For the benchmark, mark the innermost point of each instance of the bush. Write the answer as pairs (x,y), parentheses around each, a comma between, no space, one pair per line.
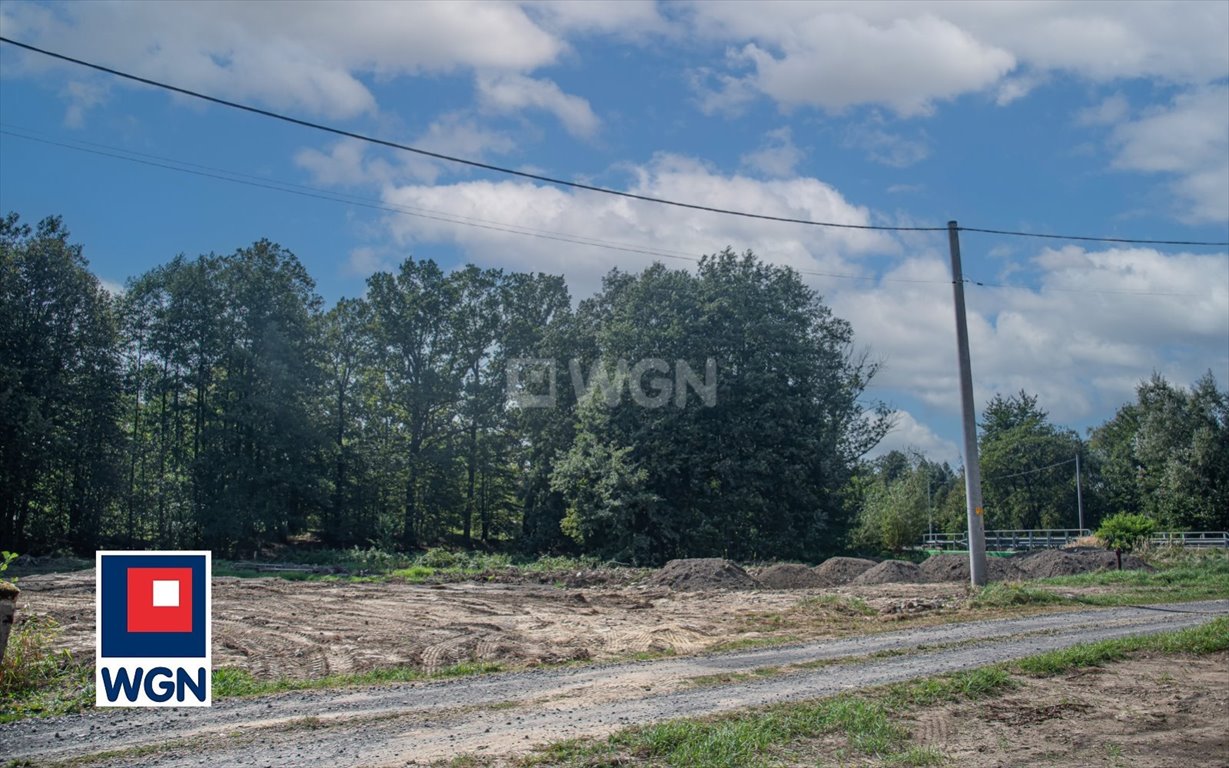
(1123,532)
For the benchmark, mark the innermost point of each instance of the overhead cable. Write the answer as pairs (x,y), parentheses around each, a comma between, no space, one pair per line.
(564,182)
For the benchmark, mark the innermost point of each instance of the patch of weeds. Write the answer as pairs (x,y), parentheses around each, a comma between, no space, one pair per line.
(230,681)
(1003,594)
(841,604)
(1211,637)
(1181,575)
(415,573)
(750,643)
(36,680)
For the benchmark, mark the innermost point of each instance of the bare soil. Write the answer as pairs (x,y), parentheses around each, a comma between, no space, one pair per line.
(891,572)
(837,571)
(275,628)
(501,716)
(1146,712)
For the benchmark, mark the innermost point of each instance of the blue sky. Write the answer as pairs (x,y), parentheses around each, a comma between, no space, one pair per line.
(1104,119)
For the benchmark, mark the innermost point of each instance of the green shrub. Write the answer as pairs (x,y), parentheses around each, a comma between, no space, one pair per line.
(1123,532)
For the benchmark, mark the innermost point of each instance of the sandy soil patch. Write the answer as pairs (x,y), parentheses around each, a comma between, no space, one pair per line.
(1149,712)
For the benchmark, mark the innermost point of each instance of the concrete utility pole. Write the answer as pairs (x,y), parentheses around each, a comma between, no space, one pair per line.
(1079,494)
(972,468)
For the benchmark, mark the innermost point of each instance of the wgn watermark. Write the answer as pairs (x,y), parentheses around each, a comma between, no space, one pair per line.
(531,382)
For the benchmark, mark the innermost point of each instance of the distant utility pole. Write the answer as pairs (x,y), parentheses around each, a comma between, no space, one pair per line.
(972,468)
(1079,493)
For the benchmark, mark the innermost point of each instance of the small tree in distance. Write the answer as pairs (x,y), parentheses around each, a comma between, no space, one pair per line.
(1123,532)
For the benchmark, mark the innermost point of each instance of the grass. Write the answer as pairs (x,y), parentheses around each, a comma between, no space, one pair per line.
(231,681)
(864,726)
(372,564)
(1180,576)
(38,680)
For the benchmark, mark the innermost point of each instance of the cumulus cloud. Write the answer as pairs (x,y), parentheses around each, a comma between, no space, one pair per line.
(1188,138)
(309,59)
(513,92)
(1094,325)
(909,434)
(835,61)
(665,231)
(908,56)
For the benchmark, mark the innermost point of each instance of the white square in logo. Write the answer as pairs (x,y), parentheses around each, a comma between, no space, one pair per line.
(166,594)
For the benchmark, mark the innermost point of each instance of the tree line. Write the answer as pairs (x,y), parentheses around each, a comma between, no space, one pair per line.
(217,403)
(1165,456)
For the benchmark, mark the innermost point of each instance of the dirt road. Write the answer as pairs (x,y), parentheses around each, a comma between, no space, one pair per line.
(509,713)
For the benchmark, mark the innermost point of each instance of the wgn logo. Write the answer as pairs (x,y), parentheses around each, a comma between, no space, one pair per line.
(154,629)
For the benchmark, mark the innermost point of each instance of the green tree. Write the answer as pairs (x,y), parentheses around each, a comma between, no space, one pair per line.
(903,497)
(1027,464)
(1167,454)
(1124,532)
(760,471)
(60,446)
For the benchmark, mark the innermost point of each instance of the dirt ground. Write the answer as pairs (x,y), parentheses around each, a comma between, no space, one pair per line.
(1159,712)
(275,628)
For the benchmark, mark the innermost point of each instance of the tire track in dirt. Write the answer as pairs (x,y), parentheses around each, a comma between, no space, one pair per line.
(507,714)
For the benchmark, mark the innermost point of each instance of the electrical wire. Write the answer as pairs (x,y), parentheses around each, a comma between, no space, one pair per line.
(1030,471)
(236,177)
(563,182)
(451,158)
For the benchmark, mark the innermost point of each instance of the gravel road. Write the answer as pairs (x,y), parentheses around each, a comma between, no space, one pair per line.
(508,713)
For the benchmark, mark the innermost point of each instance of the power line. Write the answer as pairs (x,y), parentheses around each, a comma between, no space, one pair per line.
(564,182)
(451,158)
(275,185)
(1030,471)
(1090,238)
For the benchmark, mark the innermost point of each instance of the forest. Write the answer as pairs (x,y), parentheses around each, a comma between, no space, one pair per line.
(217,403)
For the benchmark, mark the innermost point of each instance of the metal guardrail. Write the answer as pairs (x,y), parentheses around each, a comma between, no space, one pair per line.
(1045,538)
(1191,538)
(1053,538)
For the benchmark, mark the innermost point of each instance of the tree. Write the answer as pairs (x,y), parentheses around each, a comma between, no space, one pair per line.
(417,349)
(60,446)
(902,499)
(1124,532)
(1167,454)
(1028,477)
(759,469)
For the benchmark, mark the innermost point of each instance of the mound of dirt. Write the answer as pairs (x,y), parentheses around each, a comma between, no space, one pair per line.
(702,573)
(891,572)
(940,568)
(839,571)
(1048,563)
(789,576)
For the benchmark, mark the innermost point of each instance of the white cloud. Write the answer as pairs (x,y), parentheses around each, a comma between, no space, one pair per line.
(642,225)
(910,434)
(513,92)
(1081,340)
(306,59)
(907,56)
(1188,138)
(838,60)
(352,163)
(777,156)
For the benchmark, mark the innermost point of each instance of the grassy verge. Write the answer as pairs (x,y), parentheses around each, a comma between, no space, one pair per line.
(846,728)
(36,680)
(230,681)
